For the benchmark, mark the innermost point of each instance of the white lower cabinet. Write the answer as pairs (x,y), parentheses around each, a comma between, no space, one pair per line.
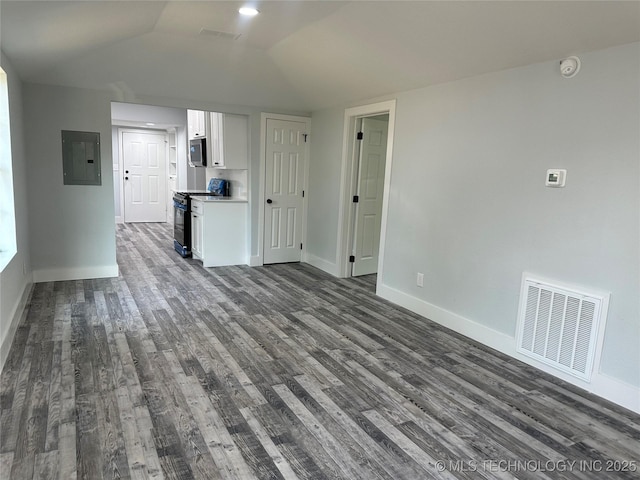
(219,232)
(197,210)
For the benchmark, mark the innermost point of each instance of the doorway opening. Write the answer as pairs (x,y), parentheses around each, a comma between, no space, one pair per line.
(370,160)
(154,139)
(366,175)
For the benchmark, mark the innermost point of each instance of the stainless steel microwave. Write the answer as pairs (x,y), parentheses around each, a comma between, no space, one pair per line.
(198,152)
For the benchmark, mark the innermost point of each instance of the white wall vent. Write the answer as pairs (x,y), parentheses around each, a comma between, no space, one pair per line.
(206,32)
(559,326)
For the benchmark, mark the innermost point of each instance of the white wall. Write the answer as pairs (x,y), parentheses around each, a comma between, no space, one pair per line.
(324,189)
(468,206)
(122,113)
(72,228)
(15,279)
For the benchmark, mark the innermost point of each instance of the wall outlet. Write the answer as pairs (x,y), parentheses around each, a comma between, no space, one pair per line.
(420,279)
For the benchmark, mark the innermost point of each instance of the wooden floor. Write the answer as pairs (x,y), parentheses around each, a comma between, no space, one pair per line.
(175,371)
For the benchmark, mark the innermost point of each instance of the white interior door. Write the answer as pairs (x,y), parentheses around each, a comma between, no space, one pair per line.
(371,167)
(284,180)
(145,176)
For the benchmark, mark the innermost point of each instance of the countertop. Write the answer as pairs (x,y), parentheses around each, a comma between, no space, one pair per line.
(214,198)
(211,198)
(191,191)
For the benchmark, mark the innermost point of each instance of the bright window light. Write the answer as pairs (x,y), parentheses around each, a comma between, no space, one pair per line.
(7,212)
(248,11)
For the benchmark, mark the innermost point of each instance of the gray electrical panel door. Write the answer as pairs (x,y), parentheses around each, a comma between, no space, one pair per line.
(81,158)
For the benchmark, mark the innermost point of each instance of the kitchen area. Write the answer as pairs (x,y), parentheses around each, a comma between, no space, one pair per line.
(204,190)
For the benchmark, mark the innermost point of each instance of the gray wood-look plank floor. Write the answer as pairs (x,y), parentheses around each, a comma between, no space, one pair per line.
(278,372)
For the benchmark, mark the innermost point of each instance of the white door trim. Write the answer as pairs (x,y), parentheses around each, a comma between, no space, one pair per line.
(258,260)
(120,170)
(345,212)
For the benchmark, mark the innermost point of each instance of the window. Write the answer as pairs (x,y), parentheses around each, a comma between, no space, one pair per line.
(7,211)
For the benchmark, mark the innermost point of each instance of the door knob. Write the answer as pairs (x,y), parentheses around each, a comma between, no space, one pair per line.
(269,200)
(126,178)
(126,171)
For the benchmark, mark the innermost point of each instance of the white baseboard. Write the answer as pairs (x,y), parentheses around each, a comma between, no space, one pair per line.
(601,384)
(119,219)
(19,310)
(81,273)
(325,266)
(321,263)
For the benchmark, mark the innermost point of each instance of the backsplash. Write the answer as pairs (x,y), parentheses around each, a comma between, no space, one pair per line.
(237,180)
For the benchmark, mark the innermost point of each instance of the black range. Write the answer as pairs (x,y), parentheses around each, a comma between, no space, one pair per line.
(182,220)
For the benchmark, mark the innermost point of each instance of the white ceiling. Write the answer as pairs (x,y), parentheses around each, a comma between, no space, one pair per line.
(300,55)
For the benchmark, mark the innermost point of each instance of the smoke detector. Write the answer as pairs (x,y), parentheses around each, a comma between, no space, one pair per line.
(569,67)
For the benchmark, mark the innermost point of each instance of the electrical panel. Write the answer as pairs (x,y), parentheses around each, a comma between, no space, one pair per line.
(81,158)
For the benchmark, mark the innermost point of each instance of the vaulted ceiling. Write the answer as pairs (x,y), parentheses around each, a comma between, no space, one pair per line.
(299,55)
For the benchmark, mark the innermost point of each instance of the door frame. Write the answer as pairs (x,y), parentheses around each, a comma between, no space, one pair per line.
(258,260)
(357,185)
(346,214)
(123,130)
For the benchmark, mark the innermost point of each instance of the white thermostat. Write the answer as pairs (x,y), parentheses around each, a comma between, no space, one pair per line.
(555,177)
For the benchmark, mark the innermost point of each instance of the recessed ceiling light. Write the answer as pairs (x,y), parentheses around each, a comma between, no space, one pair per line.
(150,124)
(248,11)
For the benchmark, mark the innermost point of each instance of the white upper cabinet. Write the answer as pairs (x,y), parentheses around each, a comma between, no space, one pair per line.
(236,141)
(196,123)
(228,140)
(216,139)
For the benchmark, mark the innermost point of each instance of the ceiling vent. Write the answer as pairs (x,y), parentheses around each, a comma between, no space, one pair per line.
(559,326)
(205,32)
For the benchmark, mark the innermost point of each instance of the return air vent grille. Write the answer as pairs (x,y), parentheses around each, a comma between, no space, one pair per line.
(205,32)
(559,327)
